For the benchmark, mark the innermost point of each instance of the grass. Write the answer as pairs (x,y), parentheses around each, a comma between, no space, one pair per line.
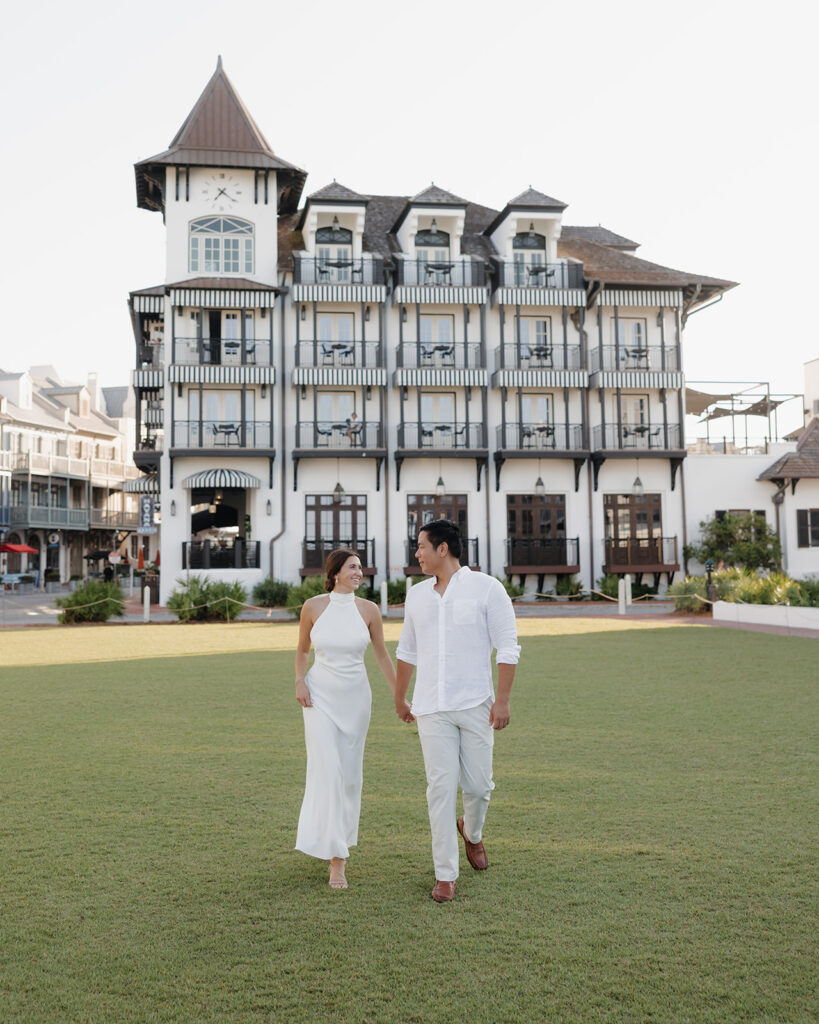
(650,839)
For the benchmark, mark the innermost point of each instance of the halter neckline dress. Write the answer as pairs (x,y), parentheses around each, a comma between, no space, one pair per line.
(335,730)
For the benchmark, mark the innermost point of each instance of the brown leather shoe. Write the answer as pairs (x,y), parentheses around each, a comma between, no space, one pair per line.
(475,852)
(443,892)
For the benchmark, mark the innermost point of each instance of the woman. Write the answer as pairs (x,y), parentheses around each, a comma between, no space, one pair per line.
(335,695)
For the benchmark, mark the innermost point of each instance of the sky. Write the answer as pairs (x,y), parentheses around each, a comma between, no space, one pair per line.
(686,127)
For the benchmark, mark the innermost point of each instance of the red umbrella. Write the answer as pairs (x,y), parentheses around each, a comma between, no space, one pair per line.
(156,560)
(141,559)
(19,549)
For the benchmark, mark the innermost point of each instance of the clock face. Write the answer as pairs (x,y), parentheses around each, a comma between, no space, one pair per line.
(222,192)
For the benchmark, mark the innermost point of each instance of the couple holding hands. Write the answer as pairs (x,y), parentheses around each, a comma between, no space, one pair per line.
(451,623)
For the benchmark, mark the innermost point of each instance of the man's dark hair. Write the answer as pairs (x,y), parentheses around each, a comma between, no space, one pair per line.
(443,531)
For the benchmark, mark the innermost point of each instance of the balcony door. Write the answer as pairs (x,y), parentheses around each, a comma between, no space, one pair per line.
(334,249)
(634,528)
(536,529)
(221,416)
(529,255)
(423,508)
(331,522)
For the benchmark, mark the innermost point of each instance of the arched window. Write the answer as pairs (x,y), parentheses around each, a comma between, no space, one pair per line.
(221,245)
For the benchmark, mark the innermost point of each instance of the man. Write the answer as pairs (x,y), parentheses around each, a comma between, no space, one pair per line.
(451,623)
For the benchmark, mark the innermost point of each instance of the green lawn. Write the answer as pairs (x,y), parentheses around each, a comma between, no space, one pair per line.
(651,838)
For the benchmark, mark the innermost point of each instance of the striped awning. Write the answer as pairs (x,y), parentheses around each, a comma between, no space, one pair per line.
(149,379)
(441,378)
(149,304)
(541,296)
(640,297)
(443,295)
(636,379)
(329,376)
(339,293)
(180,373)
(148,484)
(540,379)
(224,298)
(223,478)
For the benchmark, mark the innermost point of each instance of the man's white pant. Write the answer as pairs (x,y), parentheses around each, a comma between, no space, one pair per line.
(457,746)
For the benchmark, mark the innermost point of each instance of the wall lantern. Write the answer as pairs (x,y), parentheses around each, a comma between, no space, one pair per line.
(335,225)
(540,488)
(403,314)
(440,489)
(531,229)
(173,507)
(637,487)
(338,493)
(303,311)
(367,313)
(269,507)
(434,225)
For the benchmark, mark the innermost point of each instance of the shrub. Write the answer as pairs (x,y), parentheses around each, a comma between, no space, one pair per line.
(92,602)
(26,579)
(568,586)
(396,591)
(607,585)
(810,587)
(52,576)
(512,589)
(271,593)
(745,540)
(687,594)
(199,600)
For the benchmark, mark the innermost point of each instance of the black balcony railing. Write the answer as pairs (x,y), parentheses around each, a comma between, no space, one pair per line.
(430,355)
(207,554)
(469,552)
(441,435)
(512,274)
(458,273)
(317,270)
(221,351)
(543,356)
(542,552)
(314,552)
(339,353)
(640,436)
(633,552)
(628,359)
(222,434)
(540,437)
(347,434)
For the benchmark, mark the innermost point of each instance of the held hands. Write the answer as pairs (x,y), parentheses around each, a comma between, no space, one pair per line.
(404,711)
(500,714)
(303,694)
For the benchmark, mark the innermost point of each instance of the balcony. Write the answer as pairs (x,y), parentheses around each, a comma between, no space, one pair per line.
(339,354)
(221,434)
(221,352)
(538,276)
(50,465)
(314,554)
(426,355)
(450,274)
(438,437)
(540,438)
(641,555)
(148,452)
(110,519)
(353,437)
(469,555)
(639,437)
(206,554)
(542,555)
(49,516)
(545,356)
(621,359)
(366,270)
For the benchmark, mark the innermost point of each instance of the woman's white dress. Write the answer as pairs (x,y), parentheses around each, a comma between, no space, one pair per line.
(335,729)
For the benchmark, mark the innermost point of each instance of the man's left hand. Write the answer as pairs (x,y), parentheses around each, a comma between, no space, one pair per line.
(499,715)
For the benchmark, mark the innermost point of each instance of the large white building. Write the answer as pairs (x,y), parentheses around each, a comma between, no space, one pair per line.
(340,370)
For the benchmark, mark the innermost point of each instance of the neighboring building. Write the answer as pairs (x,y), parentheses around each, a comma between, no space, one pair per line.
(64,462)
(340,373)
(811,390)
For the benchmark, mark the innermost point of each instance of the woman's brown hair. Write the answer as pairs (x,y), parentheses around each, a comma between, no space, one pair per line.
(335,560)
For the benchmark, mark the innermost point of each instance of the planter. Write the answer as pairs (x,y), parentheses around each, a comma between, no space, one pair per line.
(767,615)
(53,587)
(24,588)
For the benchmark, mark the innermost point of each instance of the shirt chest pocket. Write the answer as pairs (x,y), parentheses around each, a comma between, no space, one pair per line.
(464,612)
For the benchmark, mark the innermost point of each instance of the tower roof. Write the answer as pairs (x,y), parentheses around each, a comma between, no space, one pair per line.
(218,132)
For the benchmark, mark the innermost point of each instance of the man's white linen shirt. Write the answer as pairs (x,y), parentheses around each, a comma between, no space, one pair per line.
(449,639)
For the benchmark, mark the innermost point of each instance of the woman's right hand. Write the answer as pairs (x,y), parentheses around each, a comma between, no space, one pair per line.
(303,694)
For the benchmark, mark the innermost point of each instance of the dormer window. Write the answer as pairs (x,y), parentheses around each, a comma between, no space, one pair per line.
(432,252)
(334,249)
(529,254)
(221,245)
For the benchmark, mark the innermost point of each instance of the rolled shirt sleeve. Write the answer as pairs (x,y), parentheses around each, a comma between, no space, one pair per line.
(407,649)
(503,630)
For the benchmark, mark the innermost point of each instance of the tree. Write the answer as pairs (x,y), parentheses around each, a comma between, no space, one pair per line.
(745,541)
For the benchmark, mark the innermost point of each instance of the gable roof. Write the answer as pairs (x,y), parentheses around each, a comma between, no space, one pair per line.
(218,132)
(432,195)
(803,463)
(529,199)
(338,193)
(600,235)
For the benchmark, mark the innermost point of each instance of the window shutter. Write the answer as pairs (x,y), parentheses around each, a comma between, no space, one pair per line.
(802,536)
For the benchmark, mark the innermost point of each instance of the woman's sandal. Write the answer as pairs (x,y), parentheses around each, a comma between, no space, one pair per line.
(338,879)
